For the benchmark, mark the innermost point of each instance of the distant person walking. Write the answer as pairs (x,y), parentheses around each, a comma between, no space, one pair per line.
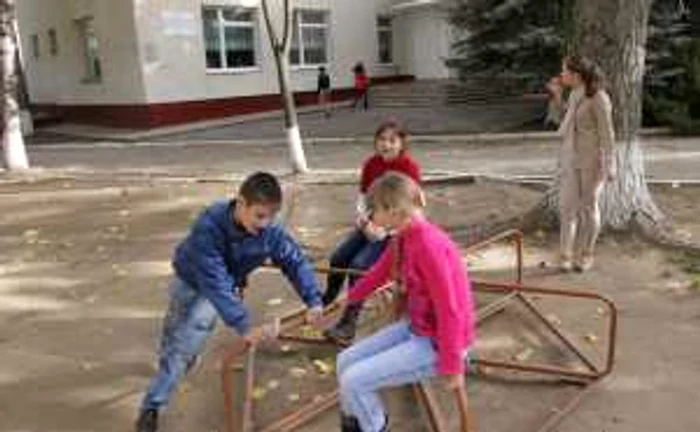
(324,90)
(361,87)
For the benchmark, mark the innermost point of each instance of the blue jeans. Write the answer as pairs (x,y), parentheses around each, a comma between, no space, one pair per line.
(392,357)
(356,252)
(189,322)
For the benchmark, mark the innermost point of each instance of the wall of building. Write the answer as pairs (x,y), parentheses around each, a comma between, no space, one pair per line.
(174,64)
(153,64)
(59,78)
(425,42)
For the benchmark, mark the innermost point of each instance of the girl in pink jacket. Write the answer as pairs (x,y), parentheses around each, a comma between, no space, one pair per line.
(437,326)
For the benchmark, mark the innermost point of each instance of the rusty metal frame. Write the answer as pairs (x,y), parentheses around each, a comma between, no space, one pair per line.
(513,291)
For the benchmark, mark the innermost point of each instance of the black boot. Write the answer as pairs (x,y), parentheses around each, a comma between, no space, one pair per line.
(349,424)
(344,331)
(148,421)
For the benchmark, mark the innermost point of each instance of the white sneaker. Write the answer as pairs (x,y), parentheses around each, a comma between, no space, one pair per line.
(565,264)
(584,264)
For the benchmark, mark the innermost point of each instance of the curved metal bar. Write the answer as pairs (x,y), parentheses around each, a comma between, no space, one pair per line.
(511,291)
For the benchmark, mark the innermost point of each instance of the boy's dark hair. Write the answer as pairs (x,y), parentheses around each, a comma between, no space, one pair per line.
(261,188)
(321,69)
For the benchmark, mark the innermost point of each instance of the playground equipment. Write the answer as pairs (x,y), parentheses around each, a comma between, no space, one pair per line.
(510,292)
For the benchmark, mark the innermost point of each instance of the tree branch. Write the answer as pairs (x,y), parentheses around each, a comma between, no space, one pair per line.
(274,41)
(288,28)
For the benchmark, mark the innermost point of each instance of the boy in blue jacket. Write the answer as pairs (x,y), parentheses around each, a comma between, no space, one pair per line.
(227,242)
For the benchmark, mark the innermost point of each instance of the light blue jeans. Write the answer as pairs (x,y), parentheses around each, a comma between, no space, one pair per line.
(189,322)
(392,357)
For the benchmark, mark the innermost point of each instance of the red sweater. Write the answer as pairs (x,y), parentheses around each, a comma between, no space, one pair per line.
(439,303)
(376,167)
(361,82)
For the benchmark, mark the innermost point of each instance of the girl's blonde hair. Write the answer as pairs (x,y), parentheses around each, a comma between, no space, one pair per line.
(395,192)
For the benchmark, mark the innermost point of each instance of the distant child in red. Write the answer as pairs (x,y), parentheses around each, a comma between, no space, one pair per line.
(363,247)
(361,87)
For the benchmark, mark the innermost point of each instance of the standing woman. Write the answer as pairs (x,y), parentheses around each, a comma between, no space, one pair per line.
(586,161)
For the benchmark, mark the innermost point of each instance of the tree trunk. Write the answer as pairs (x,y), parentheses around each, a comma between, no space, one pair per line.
(22,89)
(613,33)
(281,53)
(12,139)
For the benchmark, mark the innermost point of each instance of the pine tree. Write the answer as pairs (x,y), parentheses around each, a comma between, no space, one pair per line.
(672,87)
(512,39)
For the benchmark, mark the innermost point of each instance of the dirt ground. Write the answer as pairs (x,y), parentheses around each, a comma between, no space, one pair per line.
(84,265)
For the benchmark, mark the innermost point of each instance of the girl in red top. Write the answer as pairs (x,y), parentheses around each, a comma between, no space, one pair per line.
(366,243)
(361,87)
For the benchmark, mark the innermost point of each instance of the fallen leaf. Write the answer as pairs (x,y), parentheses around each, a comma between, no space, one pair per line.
(30,233)
(274,302)
(553,319)
(310,332)
(119,270)
(298,372)
(237,367)
(259,393)
(293,397)
(286,348)
(124,213)
(591,338)
(523,355)
(601,311)
(273,385)
(322,367)
(113,229)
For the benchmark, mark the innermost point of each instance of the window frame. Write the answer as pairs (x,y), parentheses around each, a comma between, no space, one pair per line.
(35,42)
(385,28)
(221,25)
(53,41)
(93,73)
(298,30)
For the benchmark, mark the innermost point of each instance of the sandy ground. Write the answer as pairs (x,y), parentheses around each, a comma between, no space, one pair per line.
(84,265)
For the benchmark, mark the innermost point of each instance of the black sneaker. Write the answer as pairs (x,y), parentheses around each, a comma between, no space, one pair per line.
(148,421)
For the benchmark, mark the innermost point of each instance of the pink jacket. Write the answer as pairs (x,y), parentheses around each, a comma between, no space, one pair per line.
(439,297)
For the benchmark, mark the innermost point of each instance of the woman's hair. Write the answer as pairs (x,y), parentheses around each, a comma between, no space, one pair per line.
(589,72)
(395,192)
(396,128)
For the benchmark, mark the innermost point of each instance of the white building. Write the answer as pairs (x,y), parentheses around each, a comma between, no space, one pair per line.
(146,63)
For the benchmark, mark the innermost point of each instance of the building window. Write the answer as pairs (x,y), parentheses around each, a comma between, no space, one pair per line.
(36,49)
(90,47)
(53,42)
(309,38)
(229,37)
(385,40)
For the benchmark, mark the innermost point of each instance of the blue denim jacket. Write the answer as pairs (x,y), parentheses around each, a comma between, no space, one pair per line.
(217,256)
